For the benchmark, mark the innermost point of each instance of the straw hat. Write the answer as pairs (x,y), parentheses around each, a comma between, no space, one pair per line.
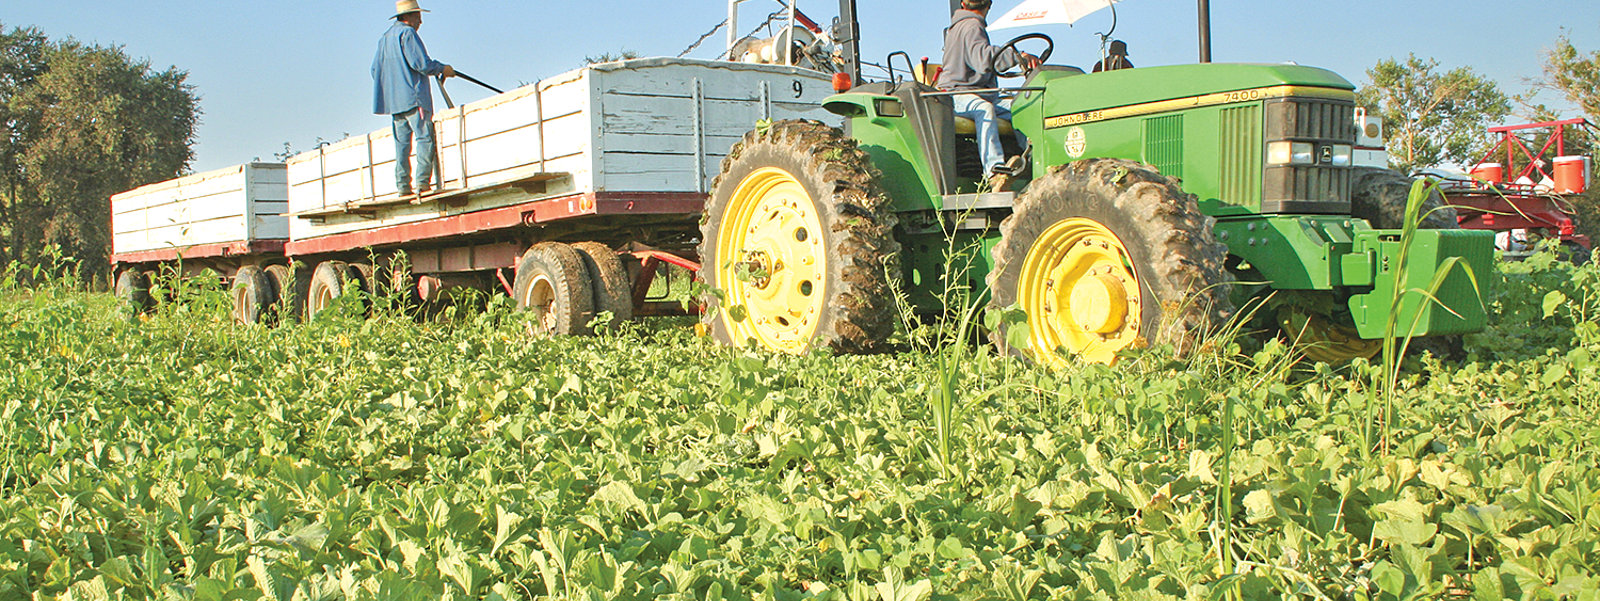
(407,6)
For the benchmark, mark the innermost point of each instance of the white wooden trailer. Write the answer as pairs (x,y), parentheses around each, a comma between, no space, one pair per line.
(657,125)
(239,210)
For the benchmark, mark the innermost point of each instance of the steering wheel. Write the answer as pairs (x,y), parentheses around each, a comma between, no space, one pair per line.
(1012,45)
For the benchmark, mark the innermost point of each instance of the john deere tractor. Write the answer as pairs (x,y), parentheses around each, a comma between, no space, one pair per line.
(1157,203)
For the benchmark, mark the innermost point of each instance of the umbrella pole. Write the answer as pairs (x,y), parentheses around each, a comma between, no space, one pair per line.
(1205,30)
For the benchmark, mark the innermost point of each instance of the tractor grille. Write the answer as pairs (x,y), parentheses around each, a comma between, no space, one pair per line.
(1319,120)
(1163,144)
(1241,155)
(1316,188)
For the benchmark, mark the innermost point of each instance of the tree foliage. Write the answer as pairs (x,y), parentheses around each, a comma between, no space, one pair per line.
(1577,76)
(82,122)
(1432,118)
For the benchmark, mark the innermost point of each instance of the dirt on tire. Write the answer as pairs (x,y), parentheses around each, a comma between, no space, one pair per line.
(1168,239)
(858,313)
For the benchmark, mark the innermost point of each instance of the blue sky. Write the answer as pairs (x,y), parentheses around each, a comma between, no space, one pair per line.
(297,70)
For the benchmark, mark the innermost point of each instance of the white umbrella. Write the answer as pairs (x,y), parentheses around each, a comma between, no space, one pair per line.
(1040,12)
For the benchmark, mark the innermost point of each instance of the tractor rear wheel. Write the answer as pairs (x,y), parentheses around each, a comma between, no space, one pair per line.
(553,283)
(254,295)
(1104,255)
(796,240)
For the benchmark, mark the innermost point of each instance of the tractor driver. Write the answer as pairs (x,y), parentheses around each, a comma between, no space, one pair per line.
(970,63)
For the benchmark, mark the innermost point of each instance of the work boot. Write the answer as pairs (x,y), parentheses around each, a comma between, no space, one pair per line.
(406,191)
(999,182)
(424,189)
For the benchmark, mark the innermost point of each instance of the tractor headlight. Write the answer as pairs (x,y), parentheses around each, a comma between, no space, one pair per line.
(1284,152)
(1341,155)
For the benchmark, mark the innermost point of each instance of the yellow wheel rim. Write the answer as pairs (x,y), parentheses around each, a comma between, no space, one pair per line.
(1320,339)
(1081,294)
(771,263)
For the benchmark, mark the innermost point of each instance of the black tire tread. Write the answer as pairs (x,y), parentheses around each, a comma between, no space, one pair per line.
(574,307)
(1183,266)
(856,217)
(332,275)
(133,288)
(613,289)
(293,283)
(252,285)
(1379,196)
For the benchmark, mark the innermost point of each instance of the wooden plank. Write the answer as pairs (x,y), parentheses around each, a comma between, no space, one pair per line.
(216,231)
(723,81)
(671,115)
(664,143)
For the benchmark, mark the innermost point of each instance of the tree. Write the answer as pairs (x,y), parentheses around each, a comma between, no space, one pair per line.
(82,123)
(1577,77)
(1431,118)
(21,63)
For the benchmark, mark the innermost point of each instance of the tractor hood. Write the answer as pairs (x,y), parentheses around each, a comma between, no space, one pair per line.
(1187,85)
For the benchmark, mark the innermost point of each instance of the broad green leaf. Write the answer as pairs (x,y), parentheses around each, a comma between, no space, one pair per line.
(1552,301)
(1259,507)
(894,587)
(1404,531)
(1389,578)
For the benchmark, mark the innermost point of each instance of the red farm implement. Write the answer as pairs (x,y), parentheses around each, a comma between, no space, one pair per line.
(1522,194)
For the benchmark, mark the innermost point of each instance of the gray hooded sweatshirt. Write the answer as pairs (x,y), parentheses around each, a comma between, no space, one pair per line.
(970,61)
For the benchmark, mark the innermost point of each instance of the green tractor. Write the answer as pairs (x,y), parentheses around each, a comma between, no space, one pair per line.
(1157,203)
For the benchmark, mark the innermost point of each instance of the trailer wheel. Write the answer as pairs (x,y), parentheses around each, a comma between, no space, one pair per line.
(365,278)
(1104,255)
(553,284)
(292,283)
(254,295)
(329,281)
(364,275)
(797,240)
(133,288)
(613,288)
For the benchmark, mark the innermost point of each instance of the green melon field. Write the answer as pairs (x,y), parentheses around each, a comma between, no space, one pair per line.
(179,456)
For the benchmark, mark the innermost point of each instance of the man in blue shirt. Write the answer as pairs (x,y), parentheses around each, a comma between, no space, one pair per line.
(400,89)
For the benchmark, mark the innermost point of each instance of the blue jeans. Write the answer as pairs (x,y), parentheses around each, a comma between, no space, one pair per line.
(405,123)
(986,116)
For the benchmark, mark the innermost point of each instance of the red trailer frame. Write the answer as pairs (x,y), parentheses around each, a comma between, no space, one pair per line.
(1507,205)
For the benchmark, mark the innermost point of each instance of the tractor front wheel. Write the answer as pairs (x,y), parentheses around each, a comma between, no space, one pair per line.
(797,239)
(1104,255)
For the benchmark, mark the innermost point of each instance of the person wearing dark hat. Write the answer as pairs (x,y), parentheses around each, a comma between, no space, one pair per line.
(970,63)
(400,89)
(1116,58)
